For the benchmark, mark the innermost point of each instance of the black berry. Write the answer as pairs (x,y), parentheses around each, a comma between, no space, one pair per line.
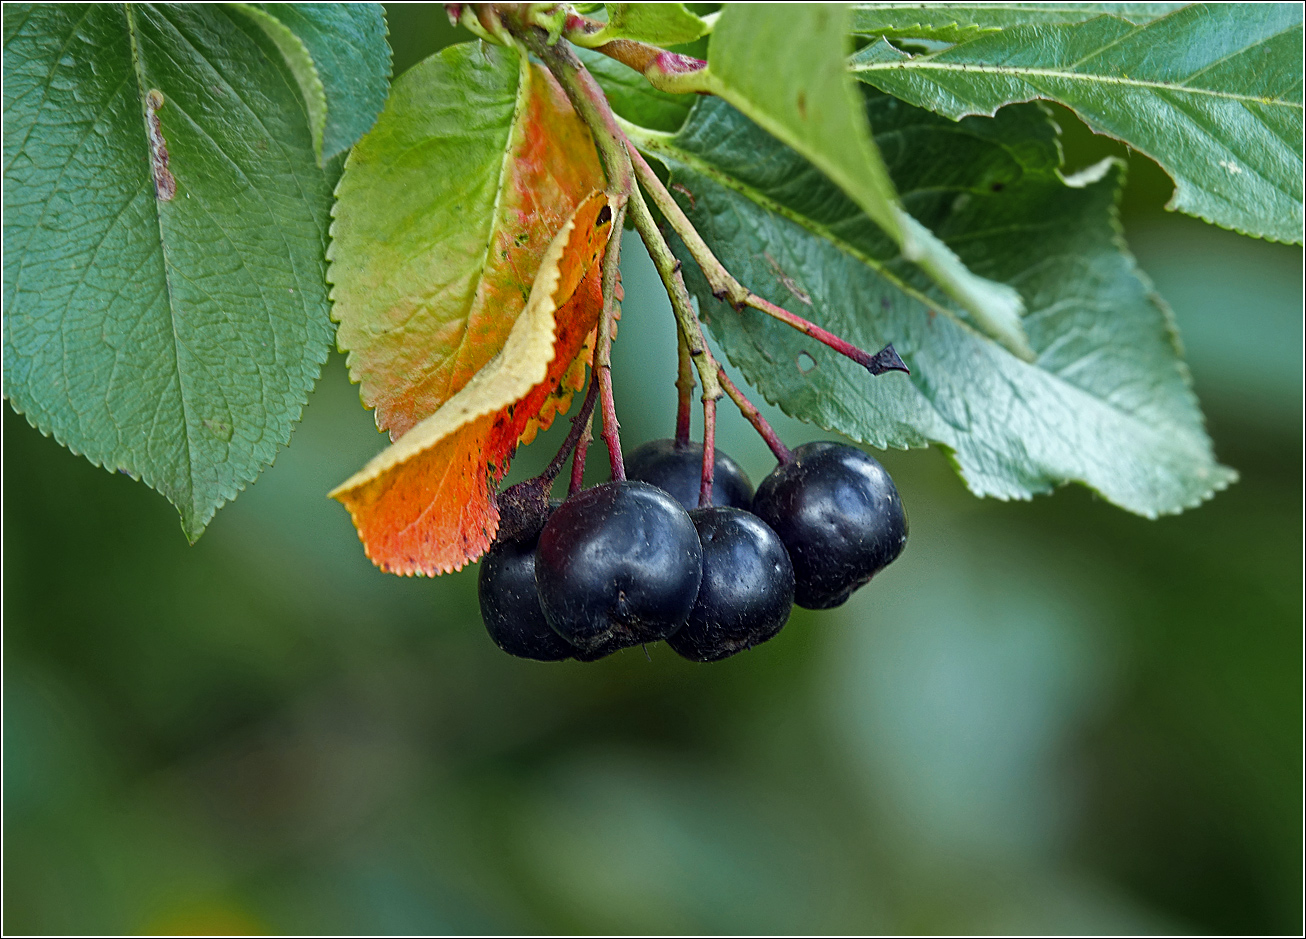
(617,565)
(747,589)
(838,513)
(510,607)
(678,469)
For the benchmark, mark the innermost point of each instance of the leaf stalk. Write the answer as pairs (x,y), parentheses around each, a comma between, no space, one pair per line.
(725,287)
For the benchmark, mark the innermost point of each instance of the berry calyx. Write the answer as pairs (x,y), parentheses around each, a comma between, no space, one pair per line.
(838,514)
(510,606)
(616,566)
(747,589)
(677,468)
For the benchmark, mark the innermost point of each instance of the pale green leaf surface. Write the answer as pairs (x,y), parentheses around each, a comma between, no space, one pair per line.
(957,22)
(632,97)
(662,24)
(1106,403)
(805,99)
(1212,93)
(173,336)
(339,55)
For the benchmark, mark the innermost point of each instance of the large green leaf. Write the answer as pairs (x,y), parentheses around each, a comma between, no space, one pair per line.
(803,97)
(339,56)
(165,306)
(1212,93)
(1106,403)
(957,22)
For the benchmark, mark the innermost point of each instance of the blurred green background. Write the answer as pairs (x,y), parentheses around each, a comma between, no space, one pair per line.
(1047,716)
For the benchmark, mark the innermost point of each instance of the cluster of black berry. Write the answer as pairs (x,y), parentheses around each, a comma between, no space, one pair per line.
(636,561)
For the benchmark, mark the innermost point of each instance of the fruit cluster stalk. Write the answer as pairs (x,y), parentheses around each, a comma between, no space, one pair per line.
(684,386)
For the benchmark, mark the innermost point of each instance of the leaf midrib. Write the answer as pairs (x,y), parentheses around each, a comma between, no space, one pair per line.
(1086,77)
(142,91)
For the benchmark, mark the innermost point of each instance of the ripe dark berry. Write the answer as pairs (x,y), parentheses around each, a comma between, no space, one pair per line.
(747,589)
(678,469)
(617,565)
(510,607)
(838,514)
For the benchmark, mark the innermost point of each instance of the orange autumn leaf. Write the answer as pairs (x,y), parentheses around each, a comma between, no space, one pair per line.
(443,214)
(559,400)
(573,380)
(426,504)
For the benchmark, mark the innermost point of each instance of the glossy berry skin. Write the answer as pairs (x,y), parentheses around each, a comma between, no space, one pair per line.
(616,566)
(747,589)
(510,607)
(678,469)
(838,513)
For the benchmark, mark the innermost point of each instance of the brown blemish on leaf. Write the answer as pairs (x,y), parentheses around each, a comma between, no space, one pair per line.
(802,105)
(165,184)
(798,292)
(686,193)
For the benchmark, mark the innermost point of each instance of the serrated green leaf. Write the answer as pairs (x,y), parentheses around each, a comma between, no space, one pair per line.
(632,97)
(1212,93)
(340,58)
(1106,403)
(165,304)
(957,22)
(661,24)
(805,100)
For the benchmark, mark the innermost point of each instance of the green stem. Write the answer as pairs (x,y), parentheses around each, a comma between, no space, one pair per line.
(603,358)
(684,386)
(668,268)
(725,287)
(586,98)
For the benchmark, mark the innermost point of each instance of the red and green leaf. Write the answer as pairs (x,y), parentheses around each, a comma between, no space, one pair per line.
(442,217)
(426,504)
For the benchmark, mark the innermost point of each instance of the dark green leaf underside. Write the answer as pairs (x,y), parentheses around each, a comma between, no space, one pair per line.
(163,317)
(1212,93)
(1107,402)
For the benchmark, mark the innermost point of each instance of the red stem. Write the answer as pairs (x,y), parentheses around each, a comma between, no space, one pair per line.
(709,452)
(577,437)
(886,360)
(578,458)
(754,417)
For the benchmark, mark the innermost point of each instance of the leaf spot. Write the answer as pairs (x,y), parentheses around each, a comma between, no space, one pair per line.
(798,292)
(805,362)
(165,184)
(219,429)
